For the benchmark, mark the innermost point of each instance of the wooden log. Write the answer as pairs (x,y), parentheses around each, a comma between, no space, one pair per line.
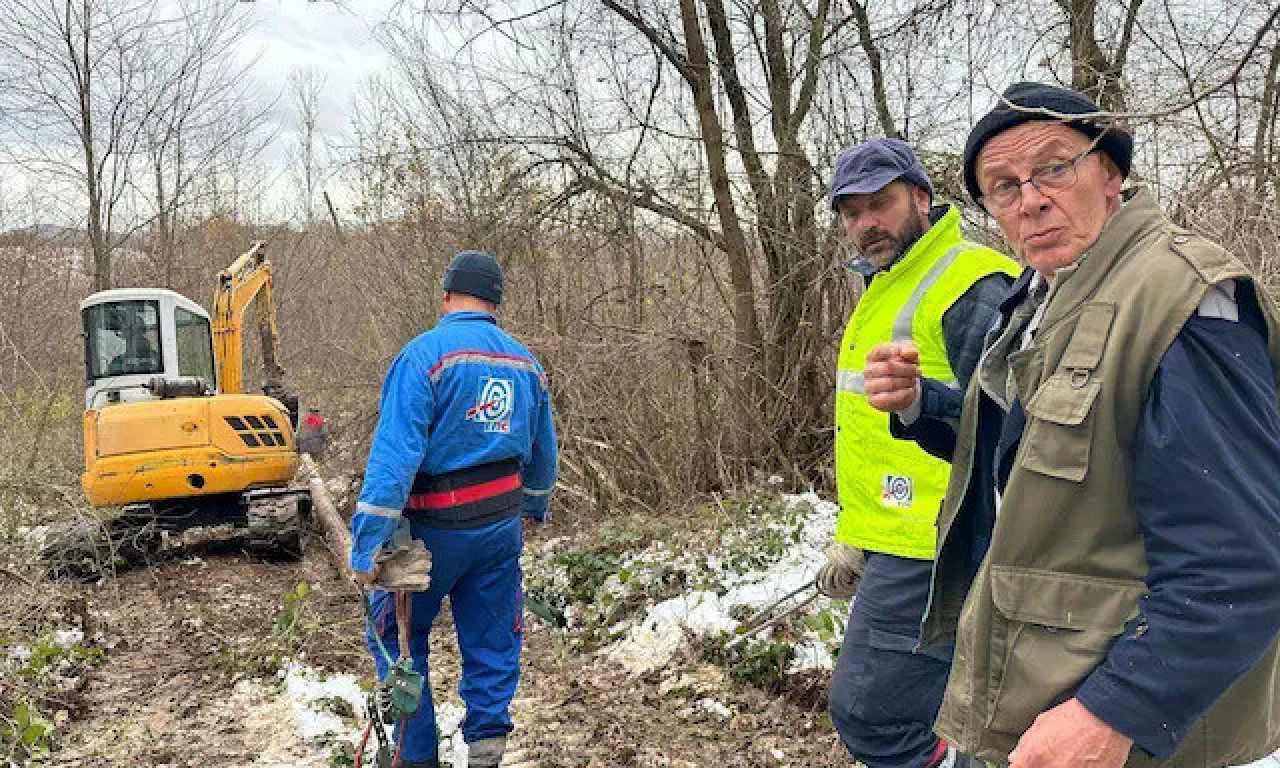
(337,538)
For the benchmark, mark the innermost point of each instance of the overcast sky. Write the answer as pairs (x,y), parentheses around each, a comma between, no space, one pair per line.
(335,40)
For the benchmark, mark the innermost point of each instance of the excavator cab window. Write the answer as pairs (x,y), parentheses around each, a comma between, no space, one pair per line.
(122,338)
(195,346)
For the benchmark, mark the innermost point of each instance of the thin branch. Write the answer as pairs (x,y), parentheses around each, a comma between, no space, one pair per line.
(1196,98)
(677,59)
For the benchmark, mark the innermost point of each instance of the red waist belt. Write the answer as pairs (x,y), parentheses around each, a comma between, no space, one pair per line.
(467,495)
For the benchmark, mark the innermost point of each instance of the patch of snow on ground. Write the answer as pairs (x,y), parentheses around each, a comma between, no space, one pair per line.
(65,638)
(19,655)
(713,707)
(309,693)
(647,646)
(798,565)
(702,613)
(269,717)
(33,535)
(654,641)
(452,749)
(813,654)
(301,724)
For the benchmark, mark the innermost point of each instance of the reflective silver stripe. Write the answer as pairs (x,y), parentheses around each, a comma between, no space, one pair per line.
(482,358)
(850,381)
(538,492)
(374,511)
(907,315)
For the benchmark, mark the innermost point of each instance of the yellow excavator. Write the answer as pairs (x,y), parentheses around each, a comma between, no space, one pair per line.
(170,433)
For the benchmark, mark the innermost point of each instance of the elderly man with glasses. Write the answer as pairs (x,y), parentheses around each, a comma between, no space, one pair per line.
(1109,543)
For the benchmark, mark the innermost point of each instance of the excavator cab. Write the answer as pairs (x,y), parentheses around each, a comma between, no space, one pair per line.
(135,335)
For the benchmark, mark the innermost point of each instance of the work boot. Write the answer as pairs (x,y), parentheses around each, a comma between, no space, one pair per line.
(486,753)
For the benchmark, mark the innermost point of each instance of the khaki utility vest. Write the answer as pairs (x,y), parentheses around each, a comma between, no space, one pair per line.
(1066,564)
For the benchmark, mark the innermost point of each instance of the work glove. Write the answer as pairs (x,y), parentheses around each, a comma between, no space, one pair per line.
(840,576)
(403,564)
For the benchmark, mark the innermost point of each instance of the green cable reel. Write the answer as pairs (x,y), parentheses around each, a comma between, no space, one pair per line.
(401,691)
(399,694)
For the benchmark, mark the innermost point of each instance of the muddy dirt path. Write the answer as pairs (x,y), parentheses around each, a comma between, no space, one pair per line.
(189,681)
(179,637)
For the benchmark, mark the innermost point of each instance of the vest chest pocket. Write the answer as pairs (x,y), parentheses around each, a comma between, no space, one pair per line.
(1059,432)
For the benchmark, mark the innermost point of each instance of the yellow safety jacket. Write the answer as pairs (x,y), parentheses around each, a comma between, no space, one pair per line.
(890,490)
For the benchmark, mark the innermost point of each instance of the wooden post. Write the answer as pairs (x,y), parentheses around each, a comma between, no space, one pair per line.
(337,539)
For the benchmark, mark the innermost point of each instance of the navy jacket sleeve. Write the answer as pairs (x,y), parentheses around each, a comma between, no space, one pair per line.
(935,429)
(967,322)
(1208,504)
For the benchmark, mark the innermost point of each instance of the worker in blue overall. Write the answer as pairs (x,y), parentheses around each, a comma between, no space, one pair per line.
(464,449)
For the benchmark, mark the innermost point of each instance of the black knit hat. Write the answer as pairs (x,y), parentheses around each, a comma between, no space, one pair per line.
(475,273)
(1025,99)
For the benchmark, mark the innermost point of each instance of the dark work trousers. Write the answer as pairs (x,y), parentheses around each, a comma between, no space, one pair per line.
(884,695)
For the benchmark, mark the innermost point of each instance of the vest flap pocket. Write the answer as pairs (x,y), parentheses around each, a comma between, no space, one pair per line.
(1089,338)
(1063,600)
(1063,399)
(1049,631)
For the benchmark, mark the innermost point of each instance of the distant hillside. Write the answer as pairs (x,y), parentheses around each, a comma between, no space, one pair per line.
(54,234)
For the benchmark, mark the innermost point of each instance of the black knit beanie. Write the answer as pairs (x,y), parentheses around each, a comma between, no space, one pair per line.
(1115,141)
(475,273)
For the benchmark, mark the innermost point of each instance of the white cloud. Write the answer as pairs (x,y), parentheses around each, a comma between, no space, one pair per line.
(336,41)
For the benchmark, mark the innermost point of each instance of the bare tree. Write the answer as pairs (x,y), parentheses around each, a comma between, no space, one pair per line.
(751,75)
(663,164)
(305,88)
(1095,70)
(879,91)
(84,84)
(204,116)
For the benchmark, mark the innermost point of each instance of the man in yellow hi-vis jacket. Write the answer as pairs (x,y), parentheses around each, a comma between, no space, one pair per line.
(936,295)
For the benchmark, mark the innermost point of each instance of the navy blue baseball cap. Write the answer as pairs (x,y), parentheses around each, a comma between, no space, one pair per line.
(475,273)
(873,165)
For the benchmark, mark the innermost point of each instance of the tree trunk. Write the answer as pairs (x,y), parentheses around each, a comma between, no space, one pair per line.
(747,338)
(1093,71)
(1265,135)
(878,93)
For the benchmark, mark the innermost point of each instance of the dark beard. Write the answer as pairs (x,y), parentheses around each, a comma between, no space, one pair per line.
(911,230)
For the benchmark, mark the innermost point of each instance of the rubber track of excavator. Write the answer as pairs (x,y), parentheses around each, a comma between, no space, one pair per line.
(275,520)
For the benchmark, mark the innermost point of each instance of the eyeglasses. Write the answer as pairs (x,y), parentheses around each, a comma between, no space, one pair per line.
(1006,193)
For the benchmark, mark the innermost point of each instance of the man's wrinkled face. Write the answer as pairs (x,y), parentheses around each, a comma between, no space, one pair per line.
(884,224)
(1049,228)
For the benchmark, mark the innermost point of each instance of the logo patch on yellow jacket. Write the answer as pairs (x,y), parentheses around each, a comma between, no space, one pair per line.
(896,491)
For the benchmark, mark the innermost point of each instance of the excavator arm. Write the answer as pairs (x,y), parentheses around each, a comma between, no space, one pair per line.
(248,278)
